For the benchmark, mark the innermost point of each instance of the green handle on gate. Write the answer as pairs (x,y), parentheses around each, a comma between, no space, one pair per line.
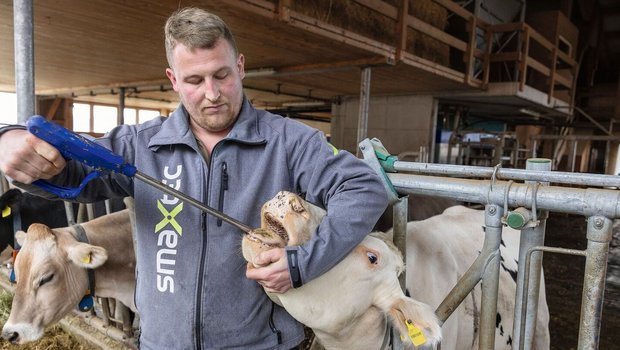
(379,159)
(385,158)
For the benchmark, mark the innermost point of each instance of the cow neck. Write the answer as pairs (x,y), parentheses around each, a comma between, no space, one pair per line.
(86,304)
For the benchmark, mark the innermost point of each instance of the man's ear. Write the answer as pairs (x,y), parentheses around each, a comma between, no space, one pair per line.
(172,78)
(86,255)
(241,66)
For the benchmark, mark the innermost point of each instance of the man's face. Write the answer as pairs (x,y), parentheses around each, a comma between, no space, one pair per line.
(209,84)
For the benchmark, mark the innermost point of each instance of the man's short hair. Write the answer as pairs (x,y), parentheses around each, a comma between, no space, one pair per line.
(195,28)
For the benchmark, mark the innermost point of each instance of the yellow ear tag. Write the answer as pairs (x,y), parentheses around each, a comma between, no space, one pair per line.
(86,259)
(6,211)
(415,334)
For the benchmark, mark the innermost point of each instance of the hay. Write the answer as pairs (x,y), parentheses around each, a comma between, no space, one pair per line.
(361,20)
(53,339)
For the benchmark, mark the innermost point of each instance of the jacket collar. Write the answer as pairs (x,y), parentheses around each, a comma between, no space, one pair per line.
(175,129)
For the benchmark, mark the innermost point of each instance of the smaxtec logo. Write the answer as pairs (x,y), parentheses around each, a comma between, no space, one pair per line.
(168,231)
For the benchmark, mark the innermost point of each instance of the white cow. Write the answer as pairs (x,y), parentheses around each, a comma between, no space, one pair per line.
(348,307)
(51,272)
(439,251)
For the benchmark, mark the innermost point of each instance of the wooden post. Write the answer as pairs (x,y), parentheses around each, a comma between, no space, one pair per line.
(469,53)
(554,59)
(401,30)
(524,57)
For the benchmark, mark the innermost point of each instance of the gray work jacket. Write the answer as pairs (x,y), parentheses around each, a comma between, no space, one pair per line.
(191,291)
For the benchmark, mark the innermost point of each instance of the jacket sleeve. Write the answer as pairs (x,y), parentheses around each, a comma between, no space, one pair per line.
(352,194)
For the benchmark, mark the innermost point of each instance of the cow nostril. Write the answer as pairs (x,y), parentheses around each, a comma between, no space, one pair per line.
(12,337)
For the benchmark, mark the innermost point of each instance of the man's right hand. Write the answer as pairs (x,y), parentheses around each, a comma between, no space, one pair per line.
(26,158)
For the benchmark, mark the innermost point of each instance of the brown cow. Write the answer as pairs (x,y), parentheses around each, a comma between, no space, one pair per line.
(51,272)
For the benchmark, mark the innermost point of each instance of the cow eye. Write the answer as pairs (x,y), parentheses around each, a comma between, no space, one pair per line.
(372,257)
(46,279)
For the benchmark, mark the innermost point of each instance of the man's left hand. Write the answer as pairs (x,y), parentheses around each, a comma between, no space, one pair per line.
(270,270)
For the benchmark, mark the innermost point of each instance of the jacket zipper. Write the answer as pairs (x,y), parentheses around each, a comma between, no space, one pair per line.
(197,320)
(223,188)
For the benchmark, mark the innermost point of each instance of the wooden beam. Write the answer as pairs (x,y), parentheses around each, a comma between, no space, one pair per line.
(333,66)
(380,6)
(566,58)
(458,10)
(488,39)
(552,76)
(469,53)
(539,67)
(53,109)
(523,64)
(343,36)
(69,90)
(284,9)
(506,27)
(540,39)
(566,82)
(440,35)
(401,29)
(434,68)
(506,56)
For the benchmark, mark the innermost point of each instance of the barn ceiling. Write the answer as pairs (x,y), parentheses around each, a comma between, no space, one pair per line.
(90,49)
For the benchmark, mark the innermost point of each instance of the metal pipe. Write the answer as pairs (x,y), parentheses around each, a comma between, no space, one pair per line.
(524,298)
(433,137)
(466,283)
(112,332)
(399,232)
(599,235)
(582,179)
(490,280)
(362,122)
(580,201)
(530,237)
(120,120)
(189,200)
(24,59)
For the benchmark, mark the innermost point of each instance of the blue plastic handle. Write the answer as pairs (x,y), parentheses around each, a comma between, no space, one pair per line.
(76,147)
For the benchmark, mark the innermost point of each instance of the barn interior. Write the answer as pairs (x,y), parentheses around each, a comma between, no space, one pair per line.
(478,82)
(470,82)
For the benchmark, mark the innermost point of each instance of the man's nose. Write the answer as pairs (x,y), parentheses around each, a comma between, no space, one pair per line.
(212,91)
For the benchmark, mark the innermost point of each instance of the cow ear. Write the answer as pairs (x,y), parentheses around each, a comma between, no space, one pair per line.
(11,198)
(86,255)
(20,237)
(416,322)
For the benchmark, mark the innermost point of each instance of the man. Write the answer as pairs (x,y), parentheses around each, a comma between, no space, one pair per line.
(193,289)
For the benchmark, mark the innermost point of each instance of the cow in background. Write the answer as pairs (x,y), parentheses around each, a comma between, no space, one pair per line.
(349,306)
(419,207)
(51,272)
(439,251)
(23,209)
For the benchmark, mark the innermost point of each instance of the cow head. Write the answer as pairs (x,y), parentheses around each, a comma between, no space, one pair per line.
(50,263)
(349,305)
(286,220)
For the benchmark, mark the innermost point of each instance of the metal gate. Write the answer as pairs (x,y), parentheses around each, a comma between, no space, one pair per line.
(521,198)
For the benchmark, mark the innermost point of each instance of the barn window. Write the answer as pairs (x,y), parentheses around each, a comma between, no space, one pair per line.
(104,118)
(81,117)
(8,103)
(99,119)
